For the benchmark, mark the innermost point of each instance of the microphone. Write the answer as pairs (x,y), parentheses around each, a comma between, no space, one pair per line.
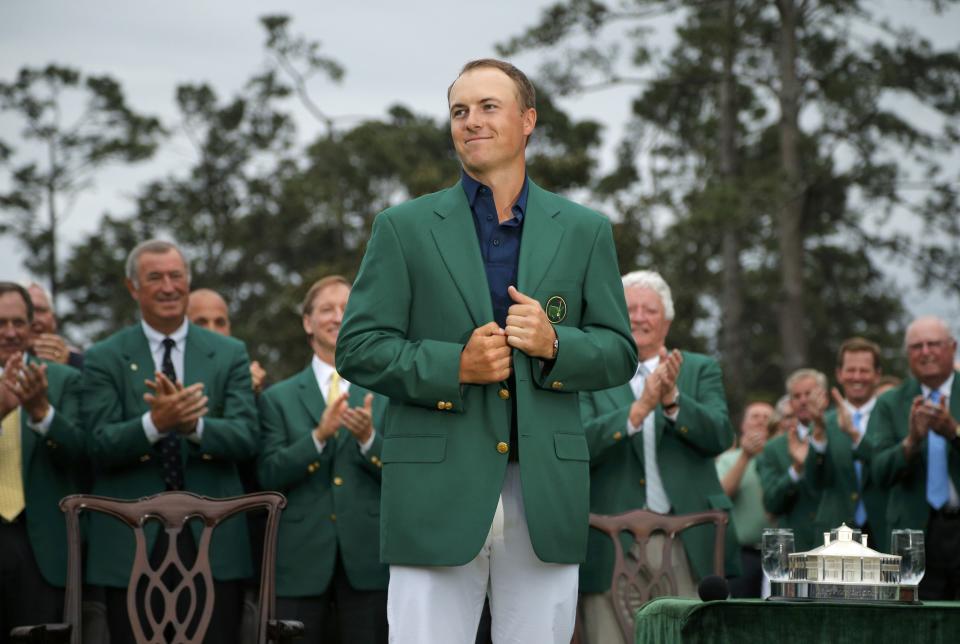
(713,588)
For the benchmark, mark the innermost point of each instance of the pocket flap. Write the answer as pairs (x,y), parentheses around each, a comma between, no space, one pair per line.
(414,449)
(571,447)
(719,502)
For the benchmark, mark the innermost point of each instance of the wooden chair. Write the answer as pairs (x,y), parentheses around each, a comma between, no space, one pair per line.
(173,510)
(635,580)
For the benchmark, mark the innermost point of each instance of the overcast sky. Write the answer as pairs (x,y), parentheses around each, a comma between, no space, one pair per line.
(393,51)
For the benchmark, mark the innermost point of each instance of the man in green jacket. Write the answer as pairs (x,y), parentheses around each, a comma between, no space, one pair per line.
(480,311)
(41,453)
(848,493)
(652,445)
(914,442)
(167,406)
(788,493)
(321,448)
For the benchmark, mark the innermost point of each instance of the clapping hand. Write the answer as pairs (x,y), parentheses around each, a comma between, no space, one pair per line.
(174,407)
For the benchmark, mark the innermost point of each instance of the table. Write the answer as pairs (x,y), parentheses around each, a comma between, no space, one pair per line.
(669,620)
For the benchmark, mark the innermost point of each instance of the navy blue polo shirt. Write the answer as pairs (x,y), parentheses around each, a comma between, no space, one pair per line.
(499,243)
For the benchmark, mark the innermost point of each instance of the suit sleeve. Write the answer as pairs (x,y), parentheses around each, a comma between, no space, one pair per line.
(704,416)
(232,435)
(599,353)
(605,432)
(779,490)
(66,431)
(112,440)
(373,349)
(888,464)
(283,464)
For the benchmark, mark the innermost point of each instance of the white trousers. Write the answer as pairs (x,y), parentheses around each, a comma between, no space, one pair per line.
(531,601)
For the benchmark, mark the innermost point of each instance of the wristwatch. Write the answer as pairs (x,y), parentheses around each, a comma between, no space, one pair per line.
(676,402)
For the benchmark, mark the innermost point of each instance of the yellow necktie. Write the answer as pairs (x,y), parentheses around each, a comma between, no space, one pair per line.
(334,391)
(11,480)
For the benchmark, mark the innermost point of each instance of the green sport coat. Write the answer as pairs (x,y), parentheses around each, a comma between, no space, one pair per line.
(126,465)
(420,293)
(906,480)
(835,477)
(51,467)
(794,505)
(686,449)
(333,498)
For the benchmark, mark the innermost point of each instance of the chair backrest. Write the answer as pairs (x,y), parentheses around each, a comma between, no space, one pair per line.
(635,579)
(173,510)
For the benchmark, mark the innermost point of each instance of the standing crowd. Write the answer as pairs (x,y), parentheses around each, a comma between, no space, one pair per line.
(486,381)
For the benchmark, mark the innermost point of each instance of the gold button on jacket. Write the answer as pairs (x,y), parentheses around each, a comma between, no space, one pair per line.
(502,447)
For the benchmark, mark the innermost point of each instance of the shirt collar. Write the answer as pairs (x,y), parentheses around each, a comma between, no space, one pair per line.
(155,338)
(864,410)
(472,188)
(944,388)
(322,371)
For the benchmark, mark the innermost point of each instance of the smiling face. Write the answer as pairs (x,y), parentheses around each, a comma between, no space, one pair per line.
(43,319)
(14,325)
(161,289)
(930,351)
(487,123)
(858,375)
(804,396)
(322,323)
(648,322)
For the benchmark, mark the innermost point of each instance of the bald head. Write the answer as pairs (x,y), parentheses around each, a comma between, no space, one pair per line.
(930,350)
(207,309)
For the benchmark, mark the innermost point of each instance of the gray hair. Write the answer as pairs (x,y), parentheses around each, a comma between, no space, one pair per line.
(43,289)
(652,281)
(803,374)
(947,334)
(151,246)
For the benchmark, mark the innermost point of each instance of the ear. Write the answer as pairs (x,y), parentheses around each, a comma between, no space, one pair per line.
(529,121)
(132,289)
(306,325)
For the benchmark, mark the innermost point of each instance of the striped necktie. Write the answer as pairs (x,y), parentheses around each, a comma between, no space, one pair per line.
(169,444)
(12,501)
(860,514)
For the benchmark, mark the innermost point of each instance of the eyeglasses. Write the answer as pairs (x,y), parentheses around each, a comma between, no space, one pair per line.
(931,345)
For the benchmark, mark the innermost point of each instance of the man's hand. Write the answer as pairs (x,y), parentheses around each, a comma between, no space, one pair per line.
(818,406)
(8,394)
(916,427)
(528,328)
(359,420)
(174,407)
(669,369)
(51,346)
(938,418)
(486,357)
(798,449)
(257,375)
(752,442)
(844,420)
(33,391)
(331,419)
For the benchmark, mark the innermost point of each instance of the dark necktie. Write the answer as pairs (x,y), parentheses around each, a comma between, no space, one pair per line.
(169,444)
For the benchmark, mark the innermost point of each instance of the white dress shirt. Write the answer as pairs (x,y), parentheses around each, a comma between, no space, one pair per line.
(155,342)
(657,499)
(324,373)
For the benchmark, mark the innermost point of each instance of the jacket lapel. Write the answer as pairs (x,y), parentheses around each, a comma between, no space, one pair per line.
(463,260)
(197,357)
(309,393)
(541,240)
(139,364)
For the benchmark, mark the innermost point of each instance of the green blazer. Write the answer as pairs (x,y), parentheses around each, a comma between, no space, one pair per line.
(835,477)
(686,449)
(794,505)
(333,498)
(420,293)
(125,463)
(52,469)
(906,481)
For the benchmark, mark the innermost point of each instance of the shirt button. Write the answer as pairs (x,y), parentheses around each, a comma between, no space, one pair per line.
(489,217)
(496,242)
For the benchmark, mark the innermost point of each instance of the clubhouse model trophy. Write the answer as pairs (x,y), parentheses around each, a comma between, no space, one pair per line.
(844,569)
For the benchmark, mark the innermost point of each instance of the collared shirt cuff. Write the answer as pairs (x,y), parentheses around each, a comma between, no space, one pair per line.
(792,473)
(672,415)
(631,429)
(149,429)
(318,443)
(820,447)
(43,426)
(197,434)
(367,444)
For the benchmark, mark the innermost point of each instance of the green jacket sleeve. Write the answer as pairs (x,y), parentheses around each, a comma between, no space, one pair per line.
(282,464)
(605,431)
(704,416)
(232,436)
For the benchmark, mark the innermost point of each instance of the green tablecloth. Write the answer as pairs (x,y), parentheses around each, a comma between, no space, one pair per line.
(669,620)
